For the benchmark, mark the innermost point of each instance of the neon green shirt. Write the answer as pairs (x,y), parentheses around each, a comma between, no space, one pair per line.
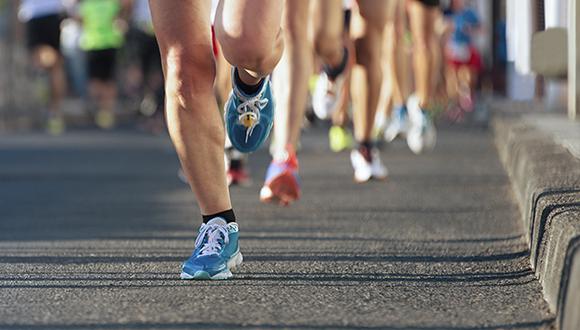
(99,30)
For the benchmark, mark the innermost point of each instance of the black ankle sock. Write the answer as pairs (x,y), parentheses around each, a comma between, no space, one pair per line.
(366,144)
(236,164)
(228,216)
(247,89)
(334,72)
(365,148)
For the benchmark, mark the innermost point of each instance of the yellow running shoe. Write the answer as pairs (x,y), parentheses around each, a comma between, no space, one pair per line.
(55,125)
(105,119)
(340,139)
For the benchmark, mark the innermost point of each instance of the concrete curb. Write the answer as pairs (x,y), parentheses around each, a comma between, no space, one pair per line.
(546,181)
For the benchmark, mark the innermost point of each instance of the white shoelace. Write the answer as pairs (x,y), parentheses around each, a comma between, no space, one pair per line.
(214,234)
(251,108)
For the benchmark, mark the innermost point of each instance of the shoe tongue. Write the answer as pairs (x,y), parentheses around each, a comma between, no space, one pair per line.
(217,222)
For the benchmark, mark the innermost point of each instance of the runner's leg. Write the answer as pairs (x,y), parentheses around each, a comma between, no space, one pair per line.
(291,76)
(368,32)
(184,35)
(291,88)
(250,36)
(368,74)
(422,21)
(328,19)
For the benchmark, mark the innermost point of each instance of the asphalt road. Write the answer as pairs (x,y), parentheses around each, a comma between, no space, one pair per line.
(94,226)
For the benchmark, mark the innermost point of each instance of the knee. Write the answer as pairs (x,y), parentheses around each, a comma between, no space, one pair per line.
(327,43)
(189,72)
(249,48)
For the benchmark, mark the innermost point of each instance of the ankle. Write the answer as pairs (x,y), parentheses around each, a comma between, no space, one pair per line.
(248,86)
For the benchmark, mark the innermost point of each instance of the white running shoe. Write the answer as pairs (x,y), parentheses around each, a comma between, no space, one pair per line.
(398,124)
(421,136)
(365,170)
(326,95)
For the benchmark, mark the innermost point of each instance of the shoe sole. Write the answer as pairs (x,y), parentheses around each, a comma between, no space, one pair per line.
(372,178)
(284,190)
(234,262)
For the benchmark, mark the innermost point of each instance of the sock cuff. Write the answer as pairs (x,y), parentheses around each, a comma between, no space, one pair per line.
(334,72)
(228,216)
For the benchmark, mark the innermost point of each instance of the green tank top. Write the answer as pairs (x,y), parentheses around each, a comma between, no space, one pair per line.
(99,30)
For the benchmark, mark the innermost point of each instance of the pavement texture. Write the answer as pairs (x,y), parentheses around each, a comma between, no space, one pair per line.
(94,226)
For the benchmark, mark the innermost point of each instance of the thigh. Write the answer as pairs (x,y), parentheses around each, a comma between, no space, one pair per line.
(422,20)
(182,26)
(328,17)
(375,12)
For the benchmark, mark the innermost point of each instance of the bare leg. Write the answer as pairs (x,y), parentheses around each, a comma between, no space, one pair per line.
(48,59)
(109,96)
(368,29)
(328,31)
(397,63)
(58,85)
(291,75)
(194,122)
(422,20)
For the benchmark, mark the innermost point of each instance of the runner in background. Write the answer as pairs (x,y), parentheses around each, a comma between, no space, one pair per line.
(144,70)
(421,135)
(282,184)
(395,89)
(367,30)
(463,60)
(43,20)
(102,37)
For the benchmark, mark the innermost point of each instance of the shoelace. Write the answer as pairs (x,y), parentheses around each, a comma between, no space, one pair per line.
(249,112)
(215,235)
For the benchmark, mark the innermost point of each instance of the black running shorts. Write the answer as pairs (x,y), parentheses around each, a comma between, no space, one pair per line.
(430,3)
(101,64)
(44,31)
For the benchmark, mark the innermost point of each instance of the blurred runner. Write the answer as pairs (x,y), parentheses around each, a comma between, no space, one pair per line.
(395,91)
(149,78)
(102,37)
(463,59)
(251,40)
(291,87)
(368,28)
(421,135)
(42,20)
(340,136)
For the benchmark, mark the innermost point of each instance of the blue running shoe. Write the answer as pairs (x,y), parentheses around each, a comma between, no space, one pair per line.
(249,118)
(216,252)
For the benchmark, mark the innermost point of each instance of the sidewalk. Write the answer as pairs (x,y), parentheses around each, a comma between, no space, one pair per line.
(94,226)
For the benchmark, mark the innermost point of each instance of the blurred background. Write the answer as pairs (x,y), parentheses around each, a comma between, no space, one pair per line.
(102,66)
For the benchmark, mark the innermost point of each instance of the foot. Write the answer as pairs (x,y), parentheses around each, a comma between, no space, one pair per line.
(367,165)
(330,88)
(238,177)
(249,118)
(422,135)
(398,124)
(326,95)
(55,125)
(339,139)
(105,119)
(282,183)
(216,252)
(236,170)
